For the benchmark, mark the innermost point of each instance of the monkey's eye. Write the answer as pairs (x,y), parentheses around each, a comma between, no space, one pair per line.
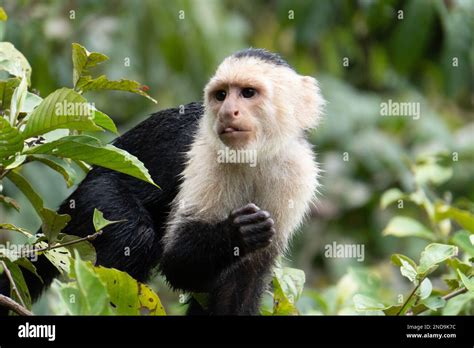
(220,95)
(248,92)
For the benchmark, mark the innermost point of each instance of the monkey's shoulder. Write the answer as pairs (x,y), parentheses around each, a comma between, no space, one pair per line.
(180,116)
(173,127)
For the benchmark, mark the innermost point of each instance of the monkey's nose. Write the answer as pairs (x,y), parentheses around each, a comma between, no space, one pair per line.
(236,113)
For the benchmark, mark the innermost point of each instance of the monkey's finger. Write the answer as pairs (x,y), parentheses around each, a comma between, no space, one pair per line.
(262,242)
(263,236)
(260,215)
(246,209)
(259,228)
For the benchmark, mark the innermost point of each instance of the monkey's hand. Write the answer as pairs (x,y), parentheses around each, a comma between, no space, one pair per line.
(252,228)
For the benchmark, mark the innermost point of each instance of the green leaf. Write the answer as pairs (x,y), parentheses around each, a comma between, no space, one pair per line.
(7,87)
(392,310)
(419,197)
(408,271)
(83,60)
(59,257)
(18,99)
(457,264)
(281,304)
(62,168)
(432,173)
(391,196)
(100,222)
(3,15)
(319,303)
(53,223)
(8,254)
(104,121)
(291,281)
(452,283)
(31,102)
(127,296)
(20,284)
(11,227)
(86,84)
(92,289)
(28,265)
(13,61)
(424,291)
(456,304)
(11,141)
(462,217)
(434,302)
(468,282)
(83,166)
(87,295)
(15,161)
(90,150)
(85,249)
(463,240)
(9,202)
(407,266)
(401,226)
(398,258)
(368,305)
(64,108)
(71,298)
(27,190)
(433,255)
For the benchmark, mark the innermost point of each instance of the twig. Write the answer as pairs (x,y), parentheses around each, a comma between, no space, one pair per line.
(446,297)
(12,282)
(409,297)
(454,294)
(89,237)
(13,305)
(3,173)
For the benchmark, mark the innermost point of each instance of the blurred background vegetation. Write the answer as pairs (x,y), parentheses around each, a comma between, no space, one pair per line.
(403,59)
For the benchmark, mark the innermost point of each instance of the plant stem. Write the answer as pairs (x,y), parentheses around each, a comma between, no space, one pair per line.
(3,174)
(21,308)
(89,237)
(446,297)
(454,294)
(409,297)
(12,282)
(13,305)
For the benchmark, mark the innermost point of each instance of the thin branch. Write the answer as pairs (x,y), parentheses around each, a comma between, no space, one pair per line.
(454,294)
(4,173)
(409,297)
(75,241)
(446,297)
(12,282)
(13,305)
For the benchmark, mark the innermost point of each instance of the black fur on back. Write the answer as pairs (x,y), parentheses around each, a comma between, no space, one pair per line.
(160,142)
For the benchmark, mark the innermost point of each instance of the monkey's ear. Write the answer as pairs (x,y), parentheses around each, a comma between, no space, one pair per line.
(312,103)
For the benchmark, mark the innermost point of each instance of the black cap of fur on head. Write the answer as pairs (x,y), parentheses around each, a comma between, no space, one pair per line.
(262,54)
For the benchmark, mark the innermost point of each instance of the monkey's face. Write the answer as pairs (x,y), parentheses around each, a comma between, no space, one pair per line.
(235,110)
(254,104)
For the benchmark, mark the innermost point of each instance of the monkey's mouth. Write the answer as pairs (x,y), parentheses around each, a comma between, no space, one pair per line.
(231,130)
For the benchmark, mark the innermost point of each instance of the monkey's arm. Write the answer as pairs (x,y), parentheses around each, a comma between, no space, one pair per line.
(199,251)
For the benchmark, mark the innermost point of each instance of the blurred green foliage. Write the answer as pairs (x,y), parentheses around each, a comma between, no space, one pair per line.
(423,54)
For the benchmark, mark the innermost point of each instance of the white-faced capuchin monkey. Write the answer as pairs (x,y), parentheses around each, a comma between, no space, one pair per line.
(237,176)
